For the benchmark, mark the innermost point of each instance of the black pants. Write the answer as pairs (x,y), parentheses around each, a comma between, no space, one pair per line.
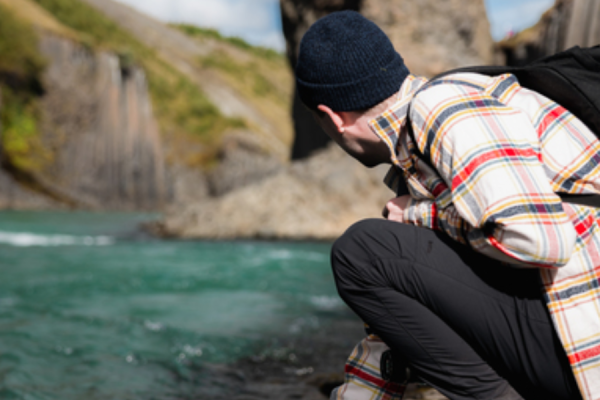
(465,323)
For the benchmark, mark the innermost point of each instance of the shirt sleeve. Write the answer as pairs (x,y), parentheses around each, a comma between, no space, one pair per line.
(489,155)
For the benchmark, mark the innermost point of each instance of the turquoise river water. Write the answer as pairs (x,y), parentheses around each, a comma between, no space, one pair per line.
(91,308)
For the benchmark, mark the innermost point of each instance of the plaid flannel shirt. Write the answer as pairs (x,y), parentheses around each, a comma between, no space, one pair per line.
(362,376)
(500,153)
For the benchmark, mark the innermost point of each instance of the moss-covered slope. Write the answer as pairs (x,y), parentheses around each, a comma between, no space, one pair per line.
(262,76)
(21,66)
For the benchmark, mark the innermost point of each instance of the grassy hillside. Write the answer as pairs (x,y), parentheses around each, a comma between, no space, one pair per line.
(21,66)
(261,75)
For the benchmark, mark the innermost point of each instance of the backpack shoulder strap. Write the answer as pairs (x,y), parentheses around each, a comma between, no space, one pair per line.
(490,70)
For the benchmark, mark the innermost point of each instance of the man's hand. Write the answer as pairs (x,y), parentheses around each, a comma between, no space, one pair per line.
(394,209)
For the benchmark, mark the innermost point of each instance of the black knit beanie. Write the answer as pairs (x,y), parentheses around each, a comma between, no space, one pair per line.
(347,63)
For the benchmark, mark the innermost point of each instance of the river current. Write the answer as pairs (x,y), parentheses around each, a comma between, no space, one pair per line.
(92,308)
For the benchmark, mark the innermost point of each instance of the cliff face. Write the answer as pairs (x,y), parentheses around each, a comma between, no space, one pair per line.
(98,120)
(316,198)
(584,27)
(547,37)
(568,23)
(101,141)
(103,146)
(267,118)
(432,36)
(87,138)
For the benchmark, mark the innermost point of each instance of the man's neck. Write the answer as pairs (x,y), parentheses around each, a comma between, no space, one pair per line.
(377,110)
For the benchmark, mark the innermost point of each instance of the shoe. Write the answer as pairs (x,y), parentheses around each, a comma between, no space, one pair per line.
(394,369)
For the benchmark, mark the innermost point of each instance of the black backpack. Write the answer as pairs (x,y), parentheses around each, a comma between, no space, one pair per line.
(571,78)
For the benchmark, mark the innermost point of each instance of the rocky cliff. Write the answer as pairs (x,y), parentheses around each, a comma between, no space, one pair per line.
(317,198)
(584,26)
(431,35)
(133,114)
(99,145)
(110,155)
(567,23)
(547,37)
(266,116)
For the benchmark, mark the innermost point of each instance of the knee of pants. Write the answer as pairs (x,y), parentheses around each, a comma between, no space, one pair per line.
(354,254)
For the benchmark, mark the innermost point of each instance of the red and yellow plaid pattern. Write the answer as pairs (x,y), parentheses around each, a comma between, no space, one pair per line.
(362,379)
(501,152)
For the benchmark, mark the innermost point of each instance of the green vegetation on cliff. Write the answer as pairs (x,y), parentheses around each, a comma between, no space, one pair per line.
(207,33)
(261,75)
(19,55)
(179,105)
(20,68)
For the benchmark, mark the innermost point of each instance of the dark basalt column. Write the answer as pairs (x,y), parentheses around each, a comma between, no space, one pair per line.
(297,16)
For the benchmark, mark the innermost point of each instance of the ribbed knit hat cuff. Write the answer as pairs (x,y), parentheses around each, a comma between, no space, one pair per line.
(357,95)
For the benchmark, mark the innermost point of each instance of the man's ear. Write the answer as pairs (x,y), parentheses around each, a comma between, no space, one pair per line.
(335,117)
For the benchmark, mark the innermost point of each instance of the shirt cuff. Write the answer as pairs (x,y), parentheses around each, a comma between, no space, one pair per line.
(421,213)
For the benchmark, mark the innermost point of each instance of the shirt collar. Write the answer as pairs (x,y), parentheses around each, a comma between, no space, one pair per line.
(388,124)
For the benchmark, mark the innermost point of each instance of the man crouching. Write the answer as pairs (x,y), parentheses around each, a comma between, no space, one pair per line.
(478,278)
